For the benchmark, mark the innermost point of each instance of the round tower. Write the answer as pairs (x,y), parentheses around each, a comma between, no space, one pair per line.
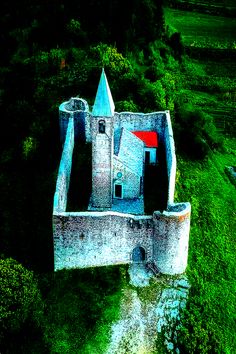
(78,109)
(170,239)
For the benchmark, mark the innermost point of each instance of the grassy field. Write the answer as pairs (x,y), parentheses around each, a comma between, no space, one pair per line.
(209,3)
(209,83)
(211,269)
(208,77)
(203,30)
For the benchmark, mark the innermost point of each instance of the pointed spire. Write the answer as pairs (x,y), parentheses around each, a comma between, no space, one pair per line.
(103,105)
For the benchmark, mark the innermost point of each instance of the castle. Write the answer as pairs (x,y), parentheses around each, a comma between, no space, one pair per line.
(115,228)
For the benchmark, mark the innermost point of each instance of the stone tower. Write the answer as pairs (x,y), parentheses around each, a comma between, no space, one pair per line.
(102,132)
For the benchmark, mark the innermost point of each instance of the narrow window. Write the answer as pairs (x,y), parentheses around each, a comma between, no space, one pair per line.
(118,190)
(141,186)
(101,127)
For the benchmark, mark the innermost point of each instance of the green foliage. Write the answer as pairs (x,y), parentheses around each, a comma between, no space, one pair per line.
(46,63)
(81,304)
(126,106)
(196,132)
(20,297)
(29,147)
(113,61)
(74,25)
(48,55)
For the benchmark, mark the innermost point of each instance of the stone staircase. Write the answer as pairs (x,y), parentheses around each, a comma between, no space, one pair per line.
(151,266)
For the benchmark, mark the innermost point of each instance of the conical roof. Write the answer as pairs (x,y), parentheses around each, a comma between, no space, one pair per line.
(103,104)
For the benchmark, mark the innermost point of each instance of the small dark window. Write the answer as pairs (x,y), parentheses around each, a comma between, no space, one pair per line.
(118,190)
(147,157)
(101,126)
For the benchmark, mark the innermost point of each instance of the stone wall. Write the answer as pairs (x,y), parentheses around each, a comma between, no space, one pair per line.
(78,109)
(90,239)
(129,180)
(169,144)
(102,162)
(133,121)
(140,121)
(131,152)
(63,178)
(171,237)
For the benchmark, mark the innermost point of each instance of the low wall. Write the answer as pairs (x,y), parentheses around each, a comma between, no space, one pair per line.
(63,178)
(170,157)
(89,239)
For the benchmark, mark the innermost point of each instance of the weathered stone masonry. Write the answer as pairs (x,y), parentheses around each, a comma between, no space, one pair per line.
(85,239)
(98,238)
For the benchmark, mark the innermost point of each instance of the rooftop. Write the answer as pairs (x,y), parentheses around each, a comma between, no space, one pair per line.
(150,139)
(103,104)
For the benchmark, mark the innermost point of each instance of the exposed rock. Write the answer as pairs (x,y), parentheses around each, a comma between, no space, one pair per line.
(143,320)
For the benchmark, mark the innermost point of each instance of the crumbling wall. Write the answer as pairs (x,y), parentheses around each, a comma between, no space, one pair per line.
(171,237)
(89,239)
(63,178)
(169,144)
(78,109)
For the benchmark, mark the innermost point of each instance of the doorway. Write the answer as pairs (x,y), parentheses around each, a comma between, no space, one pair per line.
(118,191)
(147,157)
(138,254)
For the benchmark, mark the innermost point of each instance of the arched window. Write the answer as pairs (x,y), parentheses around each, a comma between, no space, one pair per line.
(101,127)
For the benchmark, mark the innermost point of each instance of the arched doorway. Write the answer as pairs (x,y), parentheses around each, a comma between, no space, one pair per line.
(138,254)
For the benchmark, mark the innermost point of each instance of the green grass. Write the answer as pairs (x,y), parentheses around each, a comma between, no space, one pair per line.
(209,3)
(203,30)
(209,321)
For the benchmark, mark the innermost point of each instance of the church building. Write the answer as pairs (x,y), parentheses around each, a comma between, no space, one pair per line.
(119,156)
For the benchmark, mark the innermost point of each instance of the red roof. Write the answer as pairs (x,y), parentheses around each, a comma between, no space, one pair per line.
(150,139)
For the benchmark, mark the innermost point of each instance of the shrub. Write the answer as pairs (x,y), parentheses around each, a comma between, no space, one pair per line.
(20,297)
(126,106)
(196,132)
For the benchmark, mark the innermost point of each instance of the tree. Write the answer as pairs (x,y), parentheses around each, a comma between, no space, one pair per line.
(20,298)
(197,132)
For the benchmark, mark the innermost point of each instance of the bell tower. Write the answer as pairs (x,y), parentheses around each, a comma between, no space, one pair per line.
(102,132)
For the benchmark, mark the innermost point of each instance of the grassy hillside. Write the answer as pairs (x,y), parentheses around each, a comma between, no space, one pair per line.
(209,319)
(209,73)
(209,83)
(203,30)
